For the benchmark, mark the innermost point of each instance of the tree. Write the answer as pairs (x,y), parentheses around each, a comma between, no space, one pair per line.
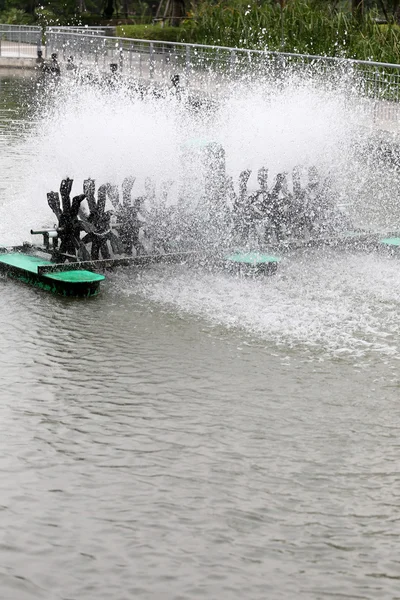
(108,10)
(390,9)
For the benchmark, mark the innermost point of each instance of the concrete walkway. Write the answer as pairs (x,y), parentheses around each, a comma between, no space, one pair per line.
(17,50)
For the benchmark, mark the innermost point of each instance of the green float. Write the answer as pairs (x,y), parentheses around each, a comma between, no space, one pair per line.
(31,269)
(252,262)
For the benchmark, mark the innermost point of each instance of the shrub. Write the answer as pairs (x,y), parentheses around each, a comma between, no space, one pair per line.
(150,32)
(14,16)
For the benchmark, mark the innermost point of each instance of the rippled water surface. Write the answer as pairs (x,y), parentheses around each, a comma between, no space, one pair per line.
(191,435)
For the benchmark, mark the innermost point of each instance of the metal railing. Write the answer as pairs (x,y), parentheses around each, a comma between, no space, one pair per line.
(154,59)
(83,29)
(21,41)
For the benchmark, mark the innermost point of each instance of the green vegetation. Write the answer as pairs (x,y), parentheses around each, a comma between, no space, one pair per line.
(152,32)
(16,16)
(72,12)
(322,27)
(302,26)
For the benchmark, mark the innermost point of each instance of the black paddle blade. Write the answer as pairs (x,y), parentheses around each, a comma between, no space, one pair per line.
(86,225)
(262,178)
(53,200)
(116,244)
(243,179)
(127,186)
(313,176)
(105,253)
(296,180)
(82,252)
(89,187)
(280,183)
(76,203)
(65,190)
(113,194)
(165,187)
(102,198)
(150,189)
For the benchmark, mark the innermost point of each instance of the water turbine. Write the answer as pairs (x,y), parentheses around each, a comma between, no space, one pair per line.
(254,220)
(111,134)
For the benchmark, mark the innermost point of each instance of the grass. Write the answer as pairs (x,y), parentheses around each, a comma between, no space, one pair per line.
(303,26)
(151,32)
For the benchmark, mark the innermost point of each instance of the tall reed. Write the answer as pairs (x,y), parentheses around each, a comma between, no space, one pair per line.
(303,26)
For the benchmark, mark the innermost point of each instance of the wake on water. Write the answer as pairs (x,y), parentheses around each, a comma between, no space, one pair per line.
(323,305)
(327,302)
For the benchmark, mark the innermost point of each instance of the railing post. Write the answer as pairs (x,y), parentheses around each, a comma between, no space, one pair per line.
(151,65)
(232,62)
(187,64)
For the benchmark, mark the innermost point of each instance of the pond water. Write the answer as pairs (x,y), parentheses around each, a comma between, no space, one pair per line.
(187,434)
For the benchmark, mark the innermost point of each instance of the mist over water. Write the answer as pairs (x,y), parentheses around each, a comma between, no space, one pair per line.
(324,306)
(337,303)
(82,131)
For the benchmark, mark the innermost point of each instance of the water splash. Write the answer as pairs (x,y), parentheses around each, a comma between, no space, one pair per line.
(321,305)
(82,131)
(327,303)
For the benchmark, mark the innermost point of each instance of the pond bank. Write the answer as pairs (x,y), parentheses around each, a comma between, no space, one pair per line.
(12,62)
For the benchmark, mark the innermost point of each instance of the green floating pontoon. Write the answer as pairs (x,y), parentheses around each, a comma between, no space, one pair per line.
(24,267)
(252,262)
(394,241)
